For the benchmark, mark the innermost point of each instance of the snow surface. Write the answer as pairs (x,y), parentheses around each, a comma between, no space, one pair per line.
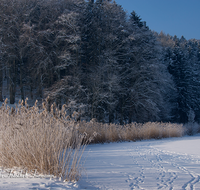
(154,164)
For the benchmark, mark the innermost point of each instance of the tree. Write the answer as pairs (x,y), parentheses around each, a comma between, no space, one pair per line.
(10,28)
(184,67)
(148,79)
(100,67)
(1,71)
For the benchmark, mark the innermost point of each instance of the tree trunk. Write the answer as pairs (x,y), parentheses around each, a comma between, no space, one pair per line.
(121,110)
(21,83)
(40,90)
(12,82)
(58,102)
(1,85)
(12,94)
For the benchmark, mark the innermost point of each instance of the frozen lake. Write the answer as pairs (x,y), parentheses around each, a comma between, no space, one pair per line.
(154,164)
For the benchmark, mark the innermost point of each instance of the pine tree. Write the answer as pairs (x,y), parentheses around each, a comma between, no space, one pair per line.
(183,66)
(147,76)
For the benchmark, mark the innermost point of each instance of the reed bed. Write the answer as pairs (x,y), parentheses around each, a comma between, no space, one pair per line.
(39,140)
(50,142)
(101,133)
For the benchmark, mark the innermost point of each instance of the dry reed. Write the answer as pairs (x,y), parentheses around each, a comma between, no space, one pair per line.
(35,139)
(49,141)
(131,132)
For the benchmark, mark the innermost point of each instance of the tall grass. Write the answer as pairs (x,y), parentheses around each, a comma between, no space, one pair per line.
(47,140)
(131,132)
(35,139)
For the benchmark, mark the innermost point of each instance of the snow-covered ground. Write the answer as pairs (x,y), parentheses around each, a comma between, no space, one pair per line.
(154,164)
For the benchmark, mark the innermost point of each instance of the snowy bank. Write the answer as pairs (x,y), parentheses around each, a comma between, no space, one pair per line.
(153,164)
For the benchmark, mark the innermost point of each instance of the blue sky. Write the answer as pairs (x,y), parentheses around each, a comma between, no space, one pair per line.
(174,17)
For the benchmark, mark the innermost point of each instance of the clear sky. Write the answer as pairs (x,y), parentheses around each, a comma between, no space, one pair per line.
(174,17)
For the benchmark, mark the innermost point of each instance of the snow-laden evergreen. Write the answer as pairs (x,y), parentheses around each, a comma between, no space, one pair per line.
(98,60)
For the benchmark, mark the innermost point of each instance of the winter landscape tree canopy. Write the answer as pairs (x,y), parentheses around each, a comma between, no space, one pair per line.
(98,60)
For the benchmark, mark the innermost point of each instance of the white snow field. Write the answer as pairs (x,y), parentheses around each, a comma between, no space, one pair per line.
(154,164)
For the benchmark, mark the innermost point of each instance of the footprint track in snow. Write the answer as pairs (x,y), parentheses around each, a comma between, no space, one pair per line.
(165,165)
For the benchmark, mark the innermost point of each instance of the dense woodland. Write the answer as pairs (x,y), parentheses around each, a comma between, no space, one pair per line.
(98,60)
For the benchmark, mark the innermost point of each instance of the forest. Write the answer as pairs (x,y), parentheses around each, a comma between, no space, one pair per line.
(97,59)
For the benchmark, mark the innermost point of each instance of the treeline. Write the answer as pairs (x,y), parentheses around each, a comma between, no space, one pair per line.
(99,61)
(183,61)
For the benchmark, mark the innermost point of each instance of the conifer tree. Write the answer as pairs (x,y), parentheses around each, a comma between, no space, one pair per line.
(146,76)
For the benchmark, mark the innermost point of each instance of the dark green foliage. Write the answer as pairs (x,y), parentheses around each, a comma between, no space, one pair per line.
(136,20)
(100,63)
(181,57)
